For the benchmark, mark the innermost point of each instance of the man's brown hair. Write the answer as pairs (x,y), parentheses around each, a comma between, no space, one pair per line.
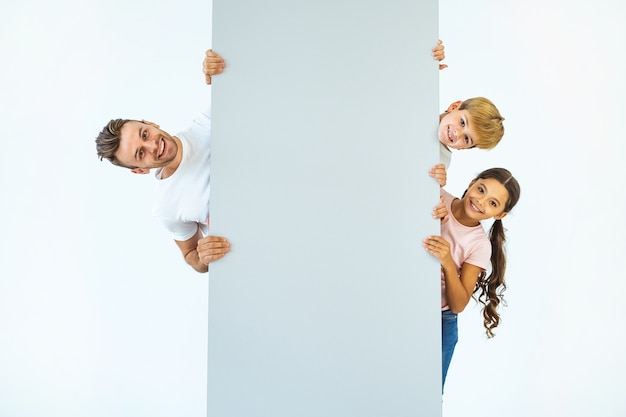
(108,141)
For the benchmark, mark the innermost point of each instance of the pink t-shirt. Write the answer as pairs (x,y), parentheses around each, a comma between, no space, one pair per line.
(467,244)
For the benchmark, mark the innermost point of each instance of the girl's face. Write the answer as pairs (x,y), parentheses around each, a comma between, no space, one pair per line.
(485,198)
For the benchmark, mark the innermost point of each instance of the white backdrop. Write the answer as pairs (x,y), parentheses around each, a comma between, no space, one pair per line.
(555,70)
(99,314)
(95,324)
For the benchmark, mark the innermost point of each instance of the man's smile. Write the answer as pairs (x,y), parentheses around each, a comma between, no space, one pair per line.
(161,148)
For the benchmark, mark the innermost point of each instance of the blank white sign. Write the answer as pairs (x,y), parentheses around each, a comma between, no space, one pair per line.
(323,133)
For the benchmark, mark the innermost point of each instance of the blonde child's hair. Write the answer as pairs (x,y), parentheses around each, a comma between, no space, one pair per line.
(486,122)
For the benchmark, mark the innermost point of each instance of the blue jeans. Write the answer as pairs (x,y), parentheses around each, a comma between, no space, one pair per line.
(449,337)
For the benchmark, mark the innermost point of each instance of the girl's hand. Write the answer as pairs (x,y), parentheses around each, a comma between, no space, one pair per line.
(440,211)
(439,54)
(438,172)
(439,247)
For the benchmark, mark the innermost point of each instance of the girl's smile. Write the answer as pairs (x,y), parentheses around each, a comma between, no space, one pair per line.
(474,206)
(484,199)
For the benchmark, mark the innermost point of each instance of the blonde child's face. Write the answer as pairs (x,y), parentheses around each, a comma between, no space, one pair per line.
(455,130)
(485,198)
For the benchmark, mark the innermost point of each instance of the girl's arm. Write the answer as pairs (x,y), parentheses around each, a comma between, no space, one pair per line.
(459,288)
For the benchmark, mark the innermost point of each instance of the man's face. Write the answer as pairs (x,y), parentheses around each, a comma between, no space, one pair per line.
(145,146)
(455,130)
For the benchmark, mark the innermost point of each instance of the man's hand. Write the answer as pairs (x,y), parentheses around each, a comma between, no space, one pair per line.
(212,248)
(199,251)
(439,54)
(213,64)
(438,172)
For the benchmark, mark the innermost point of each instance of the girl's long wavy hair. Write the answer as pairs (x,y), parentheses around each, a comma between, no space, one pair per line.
(492,287)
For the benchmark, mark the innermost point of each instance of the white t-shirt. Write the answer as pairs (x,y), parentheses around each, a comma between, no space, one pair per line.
(182,199)
(467,244)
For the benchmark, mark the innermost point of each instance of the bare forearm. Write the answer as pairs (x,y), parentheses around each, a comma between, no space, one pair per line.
(458,287)
(189,250)
(456,293)
(193,260)
(200,251)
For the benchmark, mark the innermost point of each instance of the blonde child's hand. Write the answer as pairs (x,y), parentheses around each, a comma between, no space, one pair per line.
(213,64)
(439,54)
(439,247)
(438,172)
(440,211)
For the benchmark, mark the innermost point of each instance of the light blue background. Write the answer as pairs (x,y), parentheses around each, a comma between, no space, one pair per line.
(324,131)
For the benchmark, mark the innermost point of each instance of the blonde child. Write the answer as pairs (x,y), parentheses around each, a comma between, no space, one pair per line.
(465,250)
(473,123)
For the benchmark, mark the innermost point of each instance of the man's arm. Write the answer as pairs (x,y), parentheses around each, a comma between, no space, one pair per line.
(199,251)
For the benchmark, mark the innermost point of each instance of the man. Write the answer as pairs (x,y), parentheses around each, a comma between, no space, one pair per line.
(182,164)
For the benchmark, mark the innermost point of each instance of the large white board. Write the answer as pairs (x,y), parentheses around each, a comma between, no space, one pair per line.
(323,132)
